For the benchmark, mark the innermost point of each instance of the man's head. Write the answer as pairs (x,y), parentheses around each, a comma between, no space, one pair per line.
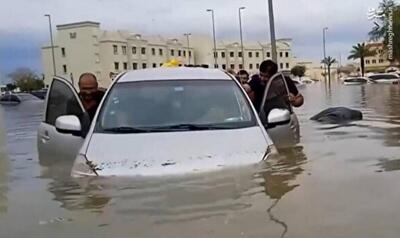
(267,69)
(243,76)
(88,86)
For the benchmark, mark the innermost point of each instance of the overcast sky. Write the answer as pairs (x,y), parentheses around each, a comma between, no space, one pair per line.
(23,28)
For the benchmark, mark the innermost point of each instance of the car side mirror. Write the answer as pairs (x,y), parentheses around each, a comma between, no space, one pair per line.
(278,117)
(69,124)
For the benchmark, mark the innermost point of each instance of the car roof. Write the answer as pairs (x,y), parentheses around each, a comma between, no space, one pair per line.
(178,73)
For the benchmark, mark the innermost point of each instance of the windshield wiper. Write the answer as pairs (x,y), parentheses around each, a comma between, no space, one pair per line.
(126,129)
(195,127)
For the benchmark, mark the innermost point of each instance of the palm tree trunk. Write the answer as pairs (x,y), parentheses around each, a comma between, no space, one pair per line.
(329,74)
(362,66)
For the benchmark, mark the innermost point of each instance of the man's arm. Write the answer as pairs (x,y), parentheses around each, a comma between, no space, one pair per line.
(295,98)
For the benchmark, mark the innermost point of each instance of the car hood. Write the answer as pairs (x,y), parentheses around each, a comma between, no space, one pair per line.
(154,154)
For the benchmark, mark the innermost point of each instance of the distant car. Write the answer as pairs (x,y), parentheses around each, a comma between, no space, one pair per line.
(355,81)
(385,78)
(157,122)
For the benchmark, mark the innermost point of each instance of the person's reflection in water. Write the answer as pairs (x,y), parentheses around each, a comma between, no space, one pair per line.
(279,172)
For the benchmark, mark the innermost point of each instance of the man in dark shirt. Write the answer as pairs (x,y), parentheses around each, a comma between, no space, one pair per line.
(257,85)
(89,93)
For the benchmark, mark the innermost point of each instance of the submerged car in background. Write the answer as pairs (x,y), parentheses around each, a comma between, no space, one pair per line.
(157,122)
(384,78)
(355,80)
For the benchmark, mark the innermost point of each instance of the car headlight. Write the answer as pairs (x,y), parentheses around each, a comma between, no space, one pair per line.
(83,167)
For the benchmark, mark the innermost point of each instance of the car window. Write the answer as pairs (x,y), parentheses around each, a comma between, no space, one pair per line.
(162,103)
(383,76)
(61,101)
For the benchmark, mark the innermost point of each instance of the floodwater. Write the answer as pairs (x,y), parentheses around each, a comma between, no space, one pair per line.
(341,181)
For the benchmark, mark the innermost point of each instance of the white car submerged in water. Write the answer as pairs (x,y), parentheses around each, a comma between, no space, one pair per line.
(386,78)
(158,122)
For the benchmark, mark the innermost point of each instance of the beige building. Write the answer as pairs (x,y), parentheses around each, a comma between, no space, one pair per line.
(83,47)
(379,62)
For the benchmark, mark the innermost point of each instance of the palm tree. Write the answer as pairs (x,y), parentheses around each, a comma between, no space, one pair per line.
(360,51)
(328,61)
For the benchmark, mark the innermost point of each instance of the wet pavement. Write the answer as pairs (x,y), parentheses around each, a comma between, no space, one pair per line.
(341,181)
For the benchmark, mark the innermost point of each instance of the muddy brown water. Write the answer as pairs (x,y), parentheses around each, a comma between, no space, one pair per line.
(341,181)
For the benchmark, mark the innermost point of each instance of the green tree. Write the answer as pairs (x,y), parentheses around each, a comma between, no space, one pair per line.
(26,80)
(11,86)
(328,61)
(360,51)
(298,71)
(387,27)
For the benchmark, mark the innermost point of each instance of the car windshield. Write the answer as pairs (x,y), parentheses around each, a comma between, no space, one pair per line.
(383,76)
(158,106)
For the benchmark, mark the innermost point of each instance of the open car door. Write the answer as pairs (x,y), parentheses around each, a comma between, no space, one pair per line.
(53,146)
(277,114)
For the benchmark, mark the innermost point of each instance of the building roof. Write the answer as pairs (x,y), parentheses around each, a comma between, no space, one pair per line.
(178,73)
(112,36)
(78,24)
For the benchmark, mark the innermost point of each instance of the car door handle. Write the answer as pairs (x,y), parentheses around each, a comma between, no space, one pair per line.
(45,136)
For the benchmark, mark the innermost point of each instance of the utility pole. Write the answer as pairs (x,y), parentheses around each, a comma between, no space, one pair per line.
(241,34)
(272,31)
(188,44)
(215,42)
(52,44)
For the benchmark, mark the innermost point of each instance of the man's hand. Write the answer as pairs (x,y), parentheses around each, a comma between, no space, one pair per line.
(297,100)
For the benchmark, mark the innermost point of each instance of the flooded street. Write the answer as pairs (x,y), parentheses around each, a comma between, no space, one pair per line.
(341,181)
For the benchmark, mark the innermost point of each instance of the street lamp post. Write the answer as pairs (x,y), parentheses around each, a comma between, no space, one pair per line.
(215,42)
(188,44)
(52,44)
(241,33)
(272,30)
(324,47)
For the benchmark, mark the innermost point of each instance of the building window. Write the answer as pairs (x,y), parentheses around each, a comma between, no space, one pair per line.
(72,35)
(143,50)
(179,53)
(367,61)
(224,66)
(287,54)
(116,65)
(144,65)
(153,51)
(154,65)
(287,65)
(281,65)
(125,66)
(374,61)
(257,66)
(172,52)
(134,50)
(232,54)
(380,60)
(184,53)
(134,65)
(65,69)
(257,54)
(232,66)
(222,54)
(63,52)
(268,55)
(115,48)
(216,66)
(240,54)
(250,54)
(160,52)
(124,50)
(240,66)
(161,64)
(215,54)
(190,54)
(250,66)
(281,54)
